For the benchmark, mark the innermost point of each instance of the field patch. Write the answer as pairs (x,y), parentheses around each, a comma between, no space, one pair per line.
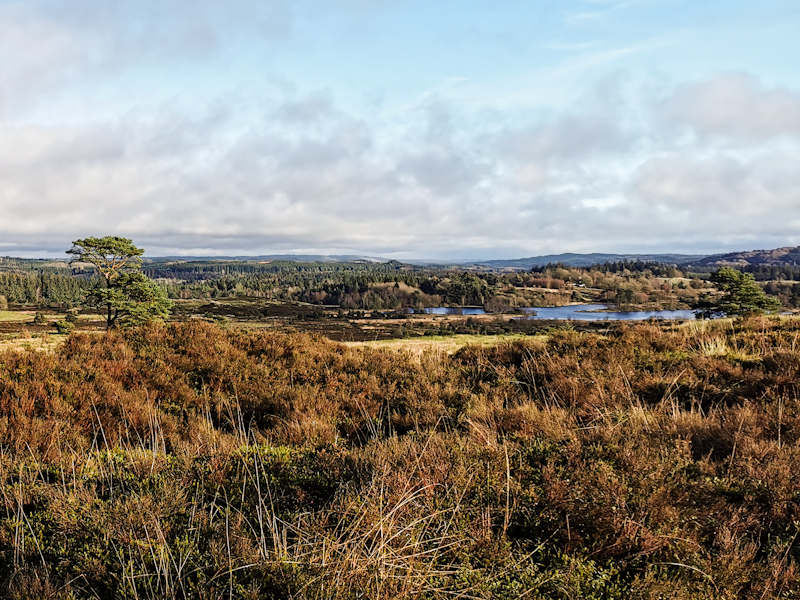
(38,342)
(442,343)
(16,315)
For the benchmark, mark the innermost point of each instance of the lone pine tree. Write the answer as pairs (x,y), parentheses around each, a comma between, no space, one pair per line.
(129,296)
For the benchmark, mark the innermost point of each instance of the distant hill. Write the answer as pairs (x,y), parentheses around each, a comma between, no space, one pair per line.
(586,260)
(789,255)
(275,257)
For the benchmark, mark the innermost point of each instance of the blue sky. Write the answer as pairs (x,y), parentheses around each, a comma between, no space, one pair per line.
(448,129)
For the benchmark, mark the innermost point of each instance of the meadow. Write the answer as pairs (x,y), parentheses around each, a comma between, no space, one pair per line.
(193,460)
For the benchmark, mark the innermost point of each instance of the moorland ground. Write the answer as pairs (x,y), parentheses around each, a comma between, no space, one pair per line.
(210,460)
(329,321)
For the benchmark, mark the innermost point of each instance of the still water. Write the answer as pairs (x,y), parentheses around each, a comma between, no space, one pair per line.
(448,310)
(579,312)
(582,312)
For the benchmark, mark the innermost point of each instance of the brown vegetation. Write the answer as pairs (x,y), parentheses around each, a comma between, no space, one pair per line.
(193,461)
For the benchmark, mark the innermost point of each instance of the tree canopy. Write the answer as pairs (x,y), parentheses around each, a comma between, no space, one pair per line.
(110,255)
(130,297)
(742,295)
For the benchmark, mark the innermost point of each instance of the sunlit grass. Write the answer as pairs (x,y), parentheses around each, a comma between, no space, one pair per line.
(17,316)
(88,317)
(7,316)
(39,343)
(442,343)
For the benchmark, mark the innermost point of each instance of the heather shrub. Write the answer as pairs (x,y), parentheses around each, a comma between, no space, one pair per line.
(188,460)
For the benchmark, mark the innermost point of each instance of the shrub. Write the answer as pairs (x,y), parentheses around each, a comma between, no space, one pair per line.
(64,327)
(190,460)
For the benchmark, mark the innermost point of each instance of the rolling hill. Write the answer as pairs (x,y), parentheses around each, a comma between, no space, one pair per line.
(788,255)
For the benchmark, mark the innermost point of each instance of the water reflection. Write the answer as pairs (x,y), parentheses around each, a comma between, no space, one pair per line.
(582,312)
(578,312)
(450,310)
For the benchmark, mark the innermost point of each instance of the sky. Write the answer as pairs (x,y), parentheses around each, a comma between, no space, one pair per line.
(449,129)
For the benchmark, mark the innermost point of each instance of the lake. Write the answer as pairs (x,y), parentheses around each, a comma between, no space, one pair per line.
(578,312)
(582,312)
(449,310)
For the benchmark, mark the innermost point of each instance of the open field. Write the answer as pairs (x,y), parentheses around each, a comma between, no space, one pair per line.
(39,342)
(447,344)
(361,326)
(330,322)
(16,315)
(417,331)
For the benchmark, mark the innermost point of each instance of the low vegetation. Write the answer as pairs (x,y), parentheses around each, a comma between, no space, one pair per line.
(189,460)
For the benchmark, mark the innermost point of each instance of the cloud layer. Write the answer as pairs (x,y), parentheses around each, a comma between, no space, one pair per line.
(734,106)
(267,163)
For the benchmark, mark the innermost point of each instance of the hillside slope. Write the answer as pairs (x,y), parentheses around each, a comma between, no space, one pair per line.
(788,255)
(586,260)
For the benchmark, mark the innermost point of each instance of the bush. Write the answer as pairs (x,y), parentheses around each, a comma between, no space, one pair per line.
(64,327)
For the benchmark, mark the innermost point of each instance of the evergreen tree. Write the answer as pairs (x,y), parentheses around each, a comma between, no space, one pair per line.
(742,295)
(130,297)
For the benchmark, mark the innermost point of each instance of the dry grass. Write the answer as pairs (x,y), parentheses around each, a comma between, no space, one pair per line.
(191,461)
(17,316)
(12,316)
(446,344)
(36,342)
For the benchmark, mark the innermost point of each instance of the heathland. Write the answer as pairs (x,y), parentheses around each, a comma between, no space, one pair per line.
(303,431)
(192,460)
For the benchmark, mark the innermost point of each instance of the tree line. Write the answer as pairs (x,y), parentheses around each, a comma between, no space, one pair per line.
(42,288)
(392,285)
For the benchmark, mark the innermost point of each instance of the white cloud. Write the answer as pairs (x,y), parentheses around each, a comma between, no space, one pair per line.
(309,109)
(569,137)
(336,182)
(722,192)
(733,106)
